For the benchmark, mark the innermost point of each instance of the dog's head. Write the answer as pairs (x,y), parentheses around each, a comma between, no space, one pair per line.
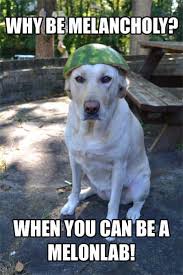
(96,89)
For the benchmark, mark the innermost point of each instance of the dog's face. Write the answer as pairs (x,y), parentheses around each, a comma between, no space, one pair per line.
(95,89)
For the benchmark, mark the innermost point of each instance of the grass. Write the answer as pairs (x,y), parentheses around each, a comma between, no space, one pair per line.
(3,165)
(180,146)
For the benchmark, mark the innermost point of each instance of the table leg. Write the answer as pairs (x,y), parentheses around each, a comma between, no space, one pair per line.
(151,62)
(168,139)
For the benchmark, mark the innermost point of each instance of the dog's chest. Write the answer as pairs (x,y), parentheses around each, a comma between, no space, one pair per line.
(92,160)
(96,166)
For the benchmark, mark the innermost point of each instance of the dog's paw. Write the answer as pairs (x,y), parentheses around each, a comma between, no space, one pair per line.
(69,208)
(83,195)
(133,214)
(86,193)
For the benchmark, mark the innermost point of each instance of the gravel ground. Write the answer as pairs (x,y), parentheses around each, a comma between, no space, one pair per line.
(33,169)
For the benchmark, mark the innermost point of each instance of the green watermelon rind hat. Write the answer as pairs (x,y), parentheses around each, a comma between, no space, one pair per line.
(92,54)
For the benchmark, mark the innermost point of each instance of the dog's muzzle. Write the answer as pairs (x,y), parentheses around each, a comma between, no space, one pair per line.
(91,109)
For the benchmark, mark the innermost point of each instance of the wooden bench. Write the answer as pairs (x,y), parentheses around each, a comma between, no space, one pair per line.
(156,51)
(156,105)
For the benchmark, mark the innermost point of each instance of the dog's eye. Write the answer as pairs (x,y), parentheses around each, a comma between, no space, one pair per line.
(106,79)
(80,79)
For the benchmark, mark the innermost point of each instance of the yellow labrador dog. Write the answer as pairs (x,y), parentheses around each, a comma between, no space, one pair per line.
(105,141)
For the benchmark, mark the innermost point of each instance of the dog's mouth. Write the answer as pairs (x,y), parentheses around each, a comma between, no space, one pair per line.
(91,117)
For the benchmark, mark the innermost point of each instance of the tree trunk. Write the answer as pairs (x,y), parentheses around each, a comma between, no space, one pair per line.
(8,8)
(141,9)
(45,43)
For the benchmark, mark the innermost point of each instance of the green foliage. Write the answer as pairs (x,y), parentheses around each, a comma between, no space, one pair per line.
(166,8)
(179,14)
(15,44)
(96,8)
(25,44)
(117,8)
(16,8)
(162,8)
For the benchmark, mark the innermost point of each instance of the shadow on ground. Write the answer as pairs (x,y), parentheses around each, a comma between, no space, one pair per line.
(33,169)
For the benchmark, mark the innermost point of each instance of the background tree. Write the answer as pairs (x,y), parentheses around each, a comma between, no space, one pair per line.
(140,9)
(25,44)
(16,44)
(96,8)
(45,43)
(179,14)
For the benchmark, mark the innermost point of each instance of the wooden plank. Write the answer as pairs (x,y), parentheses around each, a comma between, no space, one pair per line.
(170,64)
(142,98)
(168,138)
(157,92)
(175,118)
(169,46)
(150,97)
(151,62)
(178,92)
(167,80)
(170,118)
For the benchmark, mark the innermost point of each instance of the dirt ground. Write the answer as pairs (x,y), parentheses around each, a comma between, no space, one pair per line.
(33,169)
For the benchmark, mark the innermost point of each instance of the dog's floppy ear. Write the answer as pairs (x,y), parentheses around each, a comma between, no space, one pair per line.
(123,84)
(67,88)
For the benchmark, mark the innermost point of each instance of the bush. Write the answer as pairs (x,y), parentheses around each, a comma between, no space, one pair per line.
(15,44)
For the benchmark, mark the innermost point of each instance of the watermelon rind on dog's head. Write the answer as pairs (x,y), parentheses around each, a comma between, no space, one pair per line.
(92,54)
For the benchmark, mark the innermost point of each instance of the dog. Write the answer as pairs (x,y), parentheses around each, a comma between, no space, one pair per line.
(105,141)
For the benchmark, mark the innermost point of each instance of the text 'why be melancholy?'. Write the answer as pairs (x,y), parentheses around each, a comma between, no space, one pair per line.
(91,25)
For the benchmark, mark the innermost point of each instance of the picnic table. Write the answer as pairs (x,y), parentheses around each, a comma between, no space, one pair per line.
(157,51)
(155,104)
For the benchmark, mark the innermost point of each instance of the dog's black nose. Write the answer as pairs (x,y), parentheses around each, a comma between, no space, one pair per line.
(91,107)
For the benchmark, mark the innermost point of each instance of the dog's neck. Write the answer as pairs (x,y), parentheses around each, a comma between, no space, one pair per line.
(95,128)
(90,127)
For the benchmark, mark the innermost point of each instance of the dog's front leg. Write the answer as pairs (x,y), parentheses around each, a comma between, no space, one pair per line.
(118,178)
(73,199)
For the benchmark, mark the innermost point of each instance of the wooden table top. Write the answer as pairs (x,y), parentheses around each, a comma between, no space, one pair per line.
(169,46)
(149,97)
